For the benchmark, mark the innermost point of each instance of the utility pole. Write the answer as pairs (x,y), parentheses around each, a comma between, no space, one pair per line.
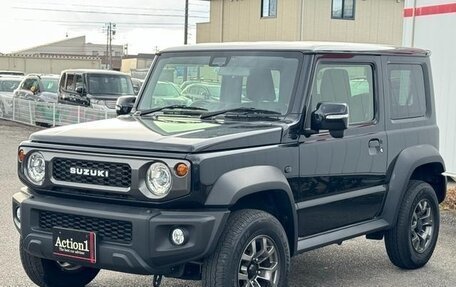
(186,23)
(107,45)
(110,31)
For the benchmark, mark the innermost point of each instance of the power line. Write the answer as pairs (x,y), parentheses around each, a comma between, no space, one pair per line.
(104,12)
(98,23)
(119,7)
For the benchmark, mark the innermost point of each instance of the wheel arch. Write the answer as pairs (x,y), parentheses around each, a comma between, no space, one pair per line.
(258,187)
(422,162)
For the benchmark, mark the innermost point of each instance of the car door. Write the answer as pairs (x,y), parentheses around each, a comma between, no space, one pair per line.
(342,179)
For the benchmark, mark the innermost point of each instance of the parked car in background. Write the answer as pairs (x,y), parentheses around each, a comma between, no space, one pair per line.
(93,88)
(40,88)
(168,93)
(137,84)
(202,91)
(7,86)
(12,73)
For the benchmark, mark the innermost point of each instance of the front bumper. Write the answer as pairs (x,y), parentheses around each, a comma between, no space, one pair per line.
(149,250)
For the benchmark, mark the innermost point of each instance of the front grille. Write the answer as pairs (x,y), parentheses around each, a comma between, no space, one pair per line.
(106,229)
(118,174)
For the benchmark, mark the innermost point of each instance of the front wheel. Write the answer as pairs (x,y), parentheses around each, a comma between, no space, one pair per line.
(48,273)
(412,241)
(253,251)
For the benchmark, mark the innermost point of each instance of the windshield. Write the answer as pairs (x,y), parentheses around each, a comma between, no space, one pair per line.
(215,82)
(50,85)
(100,84)
(9,85)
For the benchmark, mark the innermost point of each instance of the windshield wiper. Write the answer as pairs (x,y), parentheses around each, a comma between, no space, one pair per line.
(170,107)
(240,111)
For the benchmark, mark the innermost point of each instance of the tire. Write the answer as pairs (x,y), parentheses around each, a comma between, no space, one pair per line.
(244,229)
(403,245)
(48,273)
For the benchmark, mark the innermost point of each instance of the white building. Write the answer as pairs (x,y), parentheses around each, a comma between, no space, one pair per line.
(431,24)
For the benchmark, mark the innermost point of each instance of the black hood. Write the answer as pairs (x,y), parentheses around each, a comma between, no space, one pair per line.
(165,134)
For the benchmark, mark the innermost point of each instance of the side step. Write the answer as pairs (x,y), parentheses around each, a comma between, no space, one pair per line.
(323,239)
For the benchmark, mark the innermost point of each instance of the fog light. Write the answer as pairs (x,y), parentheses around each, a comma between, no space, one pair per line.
(18,213)
(178,236)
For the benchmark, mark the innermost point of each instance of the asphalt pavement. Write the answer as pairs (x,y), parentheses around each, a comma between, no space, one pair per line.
(357,262)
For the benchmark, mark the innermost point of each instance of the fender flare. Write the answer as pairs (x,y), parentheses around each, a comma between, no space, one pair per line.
(400,172)
(236,184)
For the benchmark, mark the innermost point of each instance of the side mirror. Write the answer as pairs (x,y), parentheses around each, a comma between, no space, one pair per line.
(125,104)
(332,117)
(80,90)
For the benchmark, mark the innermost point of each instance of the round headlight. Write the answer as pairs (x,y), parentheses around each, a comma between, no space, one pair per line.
(36,168)
(159,179)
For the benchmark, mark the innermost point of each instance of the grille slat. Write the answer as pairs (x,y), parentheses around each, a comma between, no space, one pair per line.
(119,174)
(107,229)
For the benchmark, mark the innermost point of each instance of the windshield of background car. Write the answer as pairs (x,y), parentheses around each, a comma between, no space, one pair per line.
(218,81)
(9,85)
(50,85)
(100,84)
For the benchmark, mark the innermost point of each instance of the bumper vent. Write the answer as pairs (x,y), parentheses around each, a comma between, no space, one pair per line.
(92,172)
(106,229)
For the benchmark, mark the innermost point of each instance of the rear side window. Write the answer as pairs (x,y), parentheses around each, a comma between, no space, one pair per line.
(407,91)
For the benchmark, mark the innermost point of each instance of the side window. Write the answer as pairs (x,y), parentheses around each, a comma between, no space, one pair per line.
(69,86)
(407,91)
(124,83)
(350,84)
(62,81)
(79,82)
(28,84)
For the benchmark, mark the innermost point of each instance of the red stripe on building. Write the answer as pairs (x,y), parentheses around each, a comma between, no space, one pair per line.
(430,10)
(408,12)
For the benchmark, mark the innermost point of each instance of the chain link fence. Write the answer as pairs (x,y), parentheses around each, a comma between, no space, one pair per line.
(49,114)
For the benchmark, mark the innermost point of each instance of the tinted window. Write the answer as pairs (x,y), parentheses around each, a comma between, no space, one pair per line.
(105,84)
(9,85)
(350,84)
(50,85)
(407,90)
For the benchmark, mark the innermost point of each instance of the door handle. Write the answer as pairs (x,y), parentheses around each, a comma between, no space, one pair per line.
(375,146)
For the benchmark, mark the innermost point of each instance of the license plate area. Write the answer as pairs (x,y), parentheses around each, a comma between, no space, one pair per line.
(77,245)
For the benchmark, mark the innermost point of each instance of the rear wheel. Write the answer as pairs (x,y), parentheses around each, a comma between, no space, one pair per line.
(253,251)
(412,241)
(49,273)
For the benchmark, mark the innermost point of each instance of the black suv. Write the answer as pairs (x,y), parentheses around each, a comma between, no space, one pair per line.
(98,89)
(307,145)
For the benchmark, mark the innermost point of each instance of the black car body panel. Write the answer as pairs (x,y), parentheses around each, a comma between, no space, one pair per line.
(163,134)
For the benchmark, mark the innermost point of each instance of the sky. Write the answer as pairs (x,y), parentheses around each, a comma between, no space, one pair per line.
(145,25)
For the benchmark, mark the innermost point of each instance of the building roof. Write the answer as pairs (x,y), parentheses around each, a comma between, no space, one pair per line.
(310,47)
(80,40)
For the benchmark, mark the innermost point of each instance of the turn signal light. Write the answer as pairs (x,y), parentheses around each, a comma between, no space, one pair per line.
(181,169)
(21,155)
